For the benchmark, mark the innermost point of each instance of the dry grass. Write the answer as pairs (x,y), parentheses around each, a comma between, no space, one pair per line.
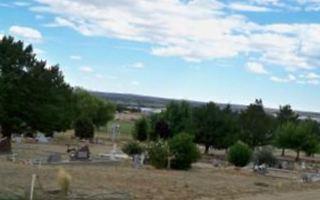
(103,181)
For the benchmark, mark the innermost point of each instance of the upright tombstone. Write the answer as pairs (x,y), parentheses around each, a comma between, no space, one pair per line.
(41,138)
(18,139)
(54,158)
(136,161)
(303,165)
(142,158)
(83,153)
(113,132)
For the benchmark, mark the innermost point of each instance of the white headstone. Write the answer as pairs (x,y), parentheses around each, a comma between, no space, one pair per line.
(41,138)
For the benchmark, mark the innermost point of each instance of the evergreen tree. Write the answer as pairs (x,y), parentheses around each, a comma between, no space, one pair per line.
(33,96)
(256,125)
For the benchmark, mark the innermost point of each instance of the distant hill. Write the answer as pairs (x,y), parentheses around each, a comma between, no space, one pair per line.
(134,100)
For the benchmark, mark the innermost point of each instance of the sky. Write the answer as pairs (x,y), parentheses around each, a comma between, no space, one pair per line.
(206,50)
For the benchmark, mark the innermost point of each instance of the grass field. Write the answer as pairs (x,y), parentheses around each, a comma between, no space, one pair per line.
(91,181)
(122,181)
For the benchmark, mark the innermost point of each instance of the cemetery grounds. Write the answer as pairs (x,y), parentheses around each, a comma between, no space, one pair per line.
(122,181)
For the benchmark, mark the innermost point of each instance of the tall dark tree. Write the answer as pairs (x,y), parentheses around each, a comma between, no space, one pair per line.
(214,126)
(207,125)
(283,136)
(97,110)
(230,128)
(310,129)
(141,129)
(256,125)
(286,114)
(302,136)
(159,127)
(32,95)
(179,117)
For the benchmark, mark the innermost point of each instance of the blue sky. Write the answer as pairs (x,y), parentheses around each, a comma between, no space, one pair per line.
(207,50)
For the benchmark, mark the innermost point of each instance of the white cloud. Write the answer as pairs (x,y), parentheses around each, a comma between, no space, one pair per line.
(194,31)
(249,8)
(256,68)
(289,78)
(86,69)
(313,82)
(75,57)
(137,65)
(26,33)
(311,76)
(267,2)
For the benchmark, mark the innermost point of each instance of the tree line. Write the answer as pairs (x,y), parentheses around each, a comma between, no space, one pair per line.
(220,127)
(35,97)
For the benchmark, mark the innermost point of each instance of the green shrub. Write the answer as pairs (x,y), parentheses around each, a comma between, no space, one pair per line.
(140,131)
(239,154)
(184,150)
(84,128)
(264,156)
(158,154)
(132,148)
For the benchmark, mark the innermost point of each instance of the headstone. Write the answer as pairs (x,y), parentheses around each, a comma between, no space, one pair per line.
(136,161)
(115,131)
(83,153)
(261,169)
(53,158)
(41,138)
(142,158)
(284,165)
(18,139)
(216,163)
(310,177)
(303,165)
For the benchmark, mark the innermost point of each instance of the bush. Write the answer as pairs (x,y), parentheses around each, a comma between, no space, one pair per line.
(84,128)
(239,154)
(264,156)
(140,131)
(159,128)
(132,148)
(184,150)
(158,154)
(64,180)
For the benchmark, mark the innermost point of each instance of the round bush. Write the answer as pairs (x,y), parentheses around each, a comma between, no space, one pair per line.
(158,154)
(140,131)
(132,148)
(84,128)
(239,154)
(264,156)
(184,150)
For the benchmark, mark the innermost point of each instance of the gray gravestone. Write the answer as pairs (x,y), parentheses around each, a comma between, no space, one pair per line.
(53,158)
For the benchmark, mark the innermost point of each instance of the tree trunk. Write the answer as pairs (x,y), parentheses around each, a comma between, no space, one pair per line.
(206,151)
(298,155)
(5,141)
(283,152)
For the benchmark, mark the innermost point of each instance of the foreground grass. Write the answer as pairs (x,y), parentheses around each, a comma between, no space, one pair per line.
(92,181)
